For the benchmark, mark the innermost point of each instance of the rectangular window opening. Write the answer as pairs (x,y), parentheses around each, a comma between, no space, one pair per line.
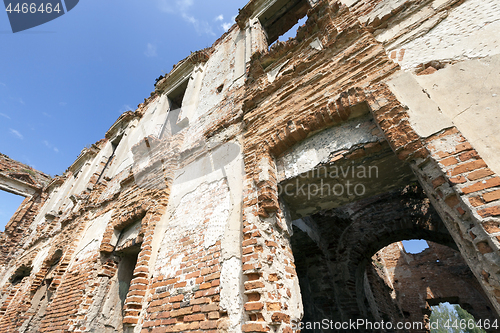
(9,204)
(126,266)
(126,272)
(114,144)
(177,95)
(127,248)
(283,19)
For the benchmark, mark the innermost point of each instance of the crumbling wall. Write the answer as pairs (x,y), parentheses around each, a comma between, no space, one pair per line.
(175,220)
(438,274)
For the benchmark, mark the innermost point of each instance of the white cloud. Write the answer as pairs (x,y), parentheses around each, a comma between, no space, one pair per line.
(184,4)
(21,101)
(16,133)
(172,6)
(46,115)
(50,146)
(4,115)
(227,25)
(3,84)
(201,27)
(150,51)
(219,18)
(182,7)
(125,108)
(63,103)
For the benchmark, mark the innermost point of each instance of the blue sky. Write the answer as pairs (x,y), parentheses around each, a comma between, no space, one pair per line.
(415,245)
(64,83)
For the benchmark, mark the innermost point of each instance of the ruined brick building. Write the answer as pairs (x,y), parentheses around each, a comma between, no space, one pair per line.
(256,186)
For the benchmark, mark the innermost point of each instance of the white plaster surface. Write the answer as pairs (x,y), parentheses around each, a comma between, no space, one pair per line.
(92,236)
(40,257)
(382,9)
(310,152)
(191,213)
(214,179)
(219,70)
(468,93)
(129,233)
(425,115)
(469,31)
(230,293)
(172,267)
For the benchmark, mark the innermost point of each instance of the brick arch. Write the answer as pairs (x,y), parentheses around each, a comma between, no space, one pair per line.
(15,302)
(150,212)
(55,254)
(413,218)
(390,116)
(388,113)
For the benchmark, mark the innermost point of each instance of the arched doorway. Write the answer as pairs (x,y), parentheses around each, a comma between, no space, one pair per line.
(336,256)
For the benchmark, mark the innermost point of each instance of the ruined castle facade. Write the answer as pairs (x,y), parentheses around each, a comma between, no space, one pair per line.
(254,189)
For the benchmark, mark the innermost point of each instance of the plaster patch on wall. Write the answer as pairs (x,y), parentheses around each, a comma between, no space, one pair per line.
(217,222)
(191,213)
(316,149)
(469,31)
(230,294)
(472,104)
(169,269)
(40,257)
(382,9)
(203,212)
(93,236)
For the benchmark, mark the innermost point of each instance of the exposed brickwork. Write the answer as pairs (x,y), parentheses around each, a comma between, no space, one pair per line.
(22,172)
(211,247)
(422,280)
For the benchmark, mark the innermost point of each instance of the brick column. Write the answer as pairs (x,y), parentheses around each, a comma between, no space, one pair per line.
(267,256)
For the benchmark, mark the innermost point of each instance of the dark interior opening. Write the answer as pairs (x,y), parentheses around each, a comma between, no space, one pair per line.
(20,274)
(315,280)
(114,145)
(177,95)
(127,249)
(126,271)
(282,16)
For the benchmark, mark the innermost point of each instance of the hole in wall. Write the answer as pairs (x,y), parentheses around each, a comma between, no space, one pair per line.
(281,17)
(447,317)
(20,274)
(177,95)
(292,33)
(9,203)
(415,246)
